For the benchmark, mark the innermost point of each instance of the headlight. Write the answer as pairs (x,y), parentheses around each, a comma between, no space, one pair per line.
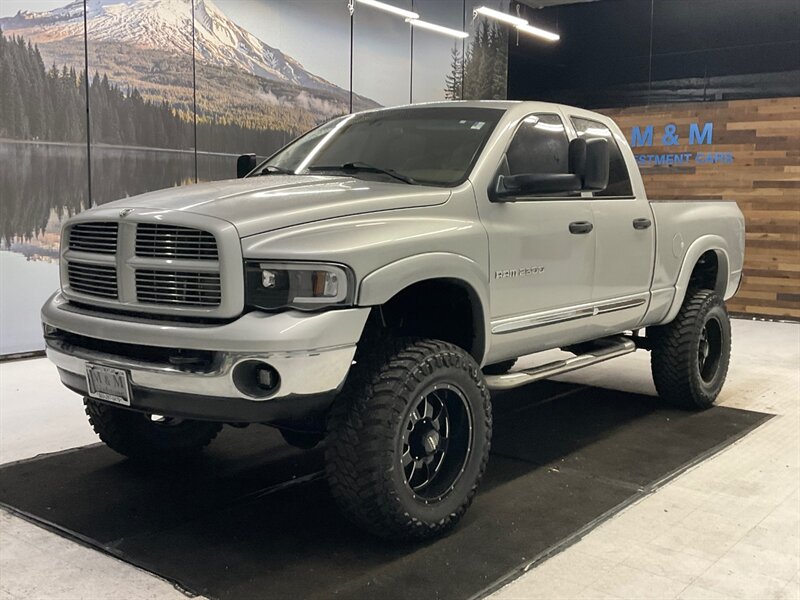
(304,286)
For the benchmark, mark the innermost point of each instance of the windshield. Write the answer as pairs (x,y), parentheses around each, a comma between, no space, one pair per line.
(432,145)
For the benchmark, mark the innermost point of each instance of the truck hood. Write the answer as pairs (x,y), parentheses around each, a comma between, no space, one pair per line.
(261,204)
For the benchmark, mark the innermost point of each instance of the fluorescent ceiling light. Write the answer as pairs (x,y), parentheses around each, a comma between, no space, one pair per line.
(500,16)
(542,33)
(389,8)
(437,28)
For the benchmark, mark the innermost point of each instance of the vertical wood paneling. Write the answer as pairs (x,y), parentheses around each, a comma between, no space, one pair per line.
(764,179)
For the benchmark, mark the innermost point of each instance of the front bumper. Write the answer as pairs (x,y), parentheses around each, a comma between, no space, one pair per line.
(312,353)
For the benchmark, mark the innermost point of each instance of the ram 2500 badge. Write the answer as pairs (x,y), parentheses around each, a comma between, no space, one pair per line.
(372,281)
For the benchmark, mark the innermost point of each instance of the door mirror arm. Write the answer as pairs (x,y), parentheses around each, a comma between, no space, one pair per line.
(512,187)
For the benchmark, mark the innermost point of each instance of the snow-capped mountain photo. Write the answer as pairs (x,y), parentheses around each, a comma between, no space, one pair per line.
(147,45)
(166,25)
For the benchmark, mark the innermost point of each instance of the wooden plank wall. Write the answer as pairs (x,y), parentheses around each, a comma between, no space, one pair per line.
(764,179)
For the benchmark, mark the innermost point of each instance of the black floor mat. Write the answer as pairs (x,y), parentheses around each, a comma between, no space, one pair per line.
(254,518)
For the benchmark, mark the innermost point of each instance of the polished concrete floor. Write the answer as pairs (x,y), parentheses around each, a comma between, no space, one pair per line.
(729,528)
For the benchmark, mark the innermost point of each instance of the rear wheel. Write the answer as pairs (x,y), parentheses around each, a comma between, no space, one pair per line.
(690,355)
(149,437)
(408,439)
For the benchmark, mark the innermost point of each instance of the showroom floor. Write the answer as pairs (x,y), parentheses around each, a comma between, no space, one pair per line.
(728,528)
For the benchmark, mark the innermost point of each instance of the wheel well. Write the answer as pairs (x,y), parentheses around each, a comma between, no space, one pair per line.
(443,309)
(705,274)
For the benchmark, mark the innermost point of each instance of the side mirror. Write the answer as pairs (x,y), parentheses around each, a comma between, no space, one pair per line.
(588,172)
(589,160)
(244,164)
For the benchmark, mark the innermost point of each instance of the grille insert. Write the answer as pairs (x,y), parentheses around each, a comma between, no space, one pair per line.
(94,280)
(156,240)
(99,237)
(178,287)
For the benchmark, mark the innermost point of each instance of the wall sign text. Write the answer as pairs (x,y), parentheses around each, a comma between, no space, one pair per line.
(697,135)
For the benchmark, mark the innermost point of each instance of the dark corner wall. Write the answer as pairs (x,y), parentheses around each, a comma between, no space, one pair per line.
(634,52)
(708,94)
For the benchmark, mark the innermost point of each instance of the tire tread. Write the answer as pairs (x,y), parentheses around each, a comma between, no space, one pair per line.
(363,416)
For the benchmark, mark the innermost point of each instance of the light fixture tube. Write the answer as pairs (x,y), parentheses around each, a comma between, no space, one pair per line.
(500,16)
(391,9)
(542,33)
(437,28)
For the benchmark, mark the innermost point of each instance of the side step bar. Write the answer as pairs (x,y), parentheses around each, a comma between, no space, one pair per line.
(605,349)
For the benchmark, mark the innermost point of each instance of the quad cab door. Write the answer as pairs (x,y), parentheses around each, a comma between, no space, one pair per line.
(624,232)
(541,248)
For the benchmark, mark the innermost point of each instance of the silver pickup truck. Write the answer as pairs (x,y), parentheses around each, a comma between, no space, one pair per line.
(371,282)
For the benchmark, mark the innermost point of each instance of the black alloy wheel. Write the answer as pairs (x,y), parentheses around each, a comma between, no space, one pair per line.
(436,442)
(408,438)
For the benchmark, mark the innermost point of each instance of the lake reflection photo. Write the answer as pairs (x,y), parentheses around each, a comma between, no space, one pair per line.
(45,183)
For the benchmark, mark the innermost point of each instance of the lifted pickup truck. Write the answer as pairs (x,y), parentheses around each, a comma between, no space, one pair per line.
(372,281)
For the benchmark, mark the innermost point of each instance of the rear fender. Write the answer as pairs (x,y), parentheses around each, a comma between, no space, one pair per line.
(725,285)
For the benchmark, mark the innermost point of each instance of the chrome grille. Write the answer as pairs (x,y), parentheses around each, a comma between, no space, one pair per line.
(178,287)
(95,280)
(99,237)
(156,240)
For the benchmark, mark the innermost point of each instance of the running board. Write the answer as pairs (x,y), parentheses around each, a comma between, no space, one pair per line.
(606,349)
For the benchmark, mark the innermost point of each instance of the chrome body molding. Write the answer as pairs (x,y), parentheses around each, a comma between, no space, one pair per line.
(562,315)
(312,352)
(329,367)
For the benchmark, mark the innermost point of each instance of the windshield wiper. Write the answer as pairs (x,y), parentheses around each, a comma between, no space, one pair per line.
(361,166)
(273,170)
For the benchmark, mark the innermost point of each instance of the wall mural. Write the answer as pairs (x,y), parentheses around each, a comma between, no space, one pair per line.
(240,76)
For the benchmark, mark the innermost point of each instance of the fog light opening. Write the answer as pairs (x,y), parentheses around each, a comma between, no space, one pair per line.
(255,378)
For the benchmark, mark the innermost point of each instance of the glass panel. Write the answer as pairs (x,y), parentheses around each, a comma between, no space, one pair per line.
(540,145)
(435,145)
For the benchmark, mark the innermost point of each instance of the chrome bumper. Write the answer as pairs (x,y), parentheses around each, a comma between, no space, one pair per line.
(312,352)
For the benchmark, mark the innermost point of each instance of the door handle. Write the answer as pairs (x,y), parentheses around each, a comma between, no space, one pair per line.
(641,223)
(580,227)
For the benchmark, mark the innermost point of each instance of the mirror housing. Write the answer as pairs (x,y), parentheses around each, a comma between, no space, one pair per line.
(588,172)
(244,164)
(589,160)
(595,176)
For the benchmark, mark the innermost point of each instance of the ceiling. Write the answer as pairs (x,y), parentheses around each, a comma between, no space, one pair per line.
(545,3)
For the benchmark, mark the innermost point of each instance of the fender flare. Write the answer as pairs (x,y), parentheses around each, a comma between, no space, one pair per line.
(386,282)
(699,247)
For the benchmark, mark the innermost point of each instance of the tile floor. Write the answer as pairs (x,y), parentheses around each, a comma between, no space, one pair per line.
(729,528)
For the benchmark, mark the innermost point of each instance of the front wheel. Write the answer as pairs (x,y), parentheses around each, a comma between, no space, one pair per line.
(142,436)
(409,438)
(690,355)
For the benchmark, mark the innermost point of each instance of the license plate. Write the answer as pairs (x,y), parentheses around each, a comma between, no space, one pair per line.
(109,384)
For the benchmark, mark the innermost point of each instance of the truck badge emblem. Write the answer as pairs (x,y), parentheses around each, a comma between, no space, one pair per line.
(520,272)
(125,212)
